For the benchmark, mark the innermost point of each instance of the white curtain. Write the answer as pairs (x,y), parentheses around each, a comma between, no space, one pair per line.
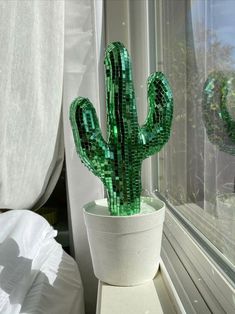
(31,81)
(84,55)
(33,58)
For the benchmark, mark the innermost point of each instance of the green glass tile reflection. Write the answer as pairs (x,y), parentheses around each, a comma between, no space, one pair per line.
(219,94)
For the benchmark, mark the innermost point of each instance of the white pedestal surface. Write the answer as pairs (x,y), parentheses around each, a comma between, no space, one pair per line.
(156,296)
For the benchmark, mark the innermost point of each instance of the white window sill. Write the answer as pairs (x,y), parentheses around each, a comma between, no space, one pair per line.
(157,296)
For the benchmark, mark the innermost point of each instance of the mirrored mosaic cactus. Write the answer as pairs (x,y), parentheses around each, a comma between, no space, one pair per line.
(117,161)
(219,95)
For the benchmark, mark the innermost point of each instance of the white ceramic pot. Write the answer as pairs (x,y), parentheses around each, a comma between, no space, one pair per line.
(125,250)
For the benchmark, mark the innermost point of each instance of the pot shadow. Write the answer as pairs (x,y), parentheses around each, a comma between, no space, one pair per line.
(32,289)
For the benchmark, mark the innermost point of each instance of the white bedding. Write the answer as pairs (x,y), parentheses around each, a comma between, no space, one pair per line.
(36,275)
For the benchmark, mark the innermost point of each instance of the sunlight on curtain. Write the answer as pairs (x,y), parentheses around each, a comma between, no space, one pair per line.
(31,79)
(83,53)
(36,275)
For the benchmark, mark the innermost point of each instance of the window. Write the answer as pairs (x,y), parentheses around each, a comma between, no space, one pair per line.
(197,176)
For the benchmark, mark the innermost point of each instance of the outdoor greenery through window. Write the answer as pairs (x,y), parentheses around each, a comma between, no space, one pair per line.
(196,170)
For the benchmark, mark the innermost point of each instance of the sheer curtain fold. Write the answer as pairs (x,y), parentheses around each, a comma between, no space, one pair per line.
(31,81)
(83,49)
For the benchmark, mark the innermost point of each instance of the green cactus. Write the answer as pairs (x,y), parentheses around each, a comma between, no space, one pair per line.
(220,127)
(118,161)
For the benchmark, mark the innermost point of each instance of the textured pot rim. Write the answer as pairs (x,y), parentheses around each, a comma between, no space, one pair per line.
(153,202)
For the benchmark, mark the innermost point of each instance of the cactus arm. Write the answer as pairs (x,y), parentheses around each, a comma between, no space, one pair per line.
(211,107)
(217,120)
(225,114)
(90,145)
(156,130)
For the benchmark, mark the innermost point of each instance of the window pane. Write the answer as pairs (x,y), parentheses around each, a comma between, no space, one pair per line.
(197,166)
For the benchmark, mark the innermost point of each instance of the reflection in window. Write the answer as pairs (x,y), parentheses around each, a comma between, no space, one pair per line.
(196,174)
